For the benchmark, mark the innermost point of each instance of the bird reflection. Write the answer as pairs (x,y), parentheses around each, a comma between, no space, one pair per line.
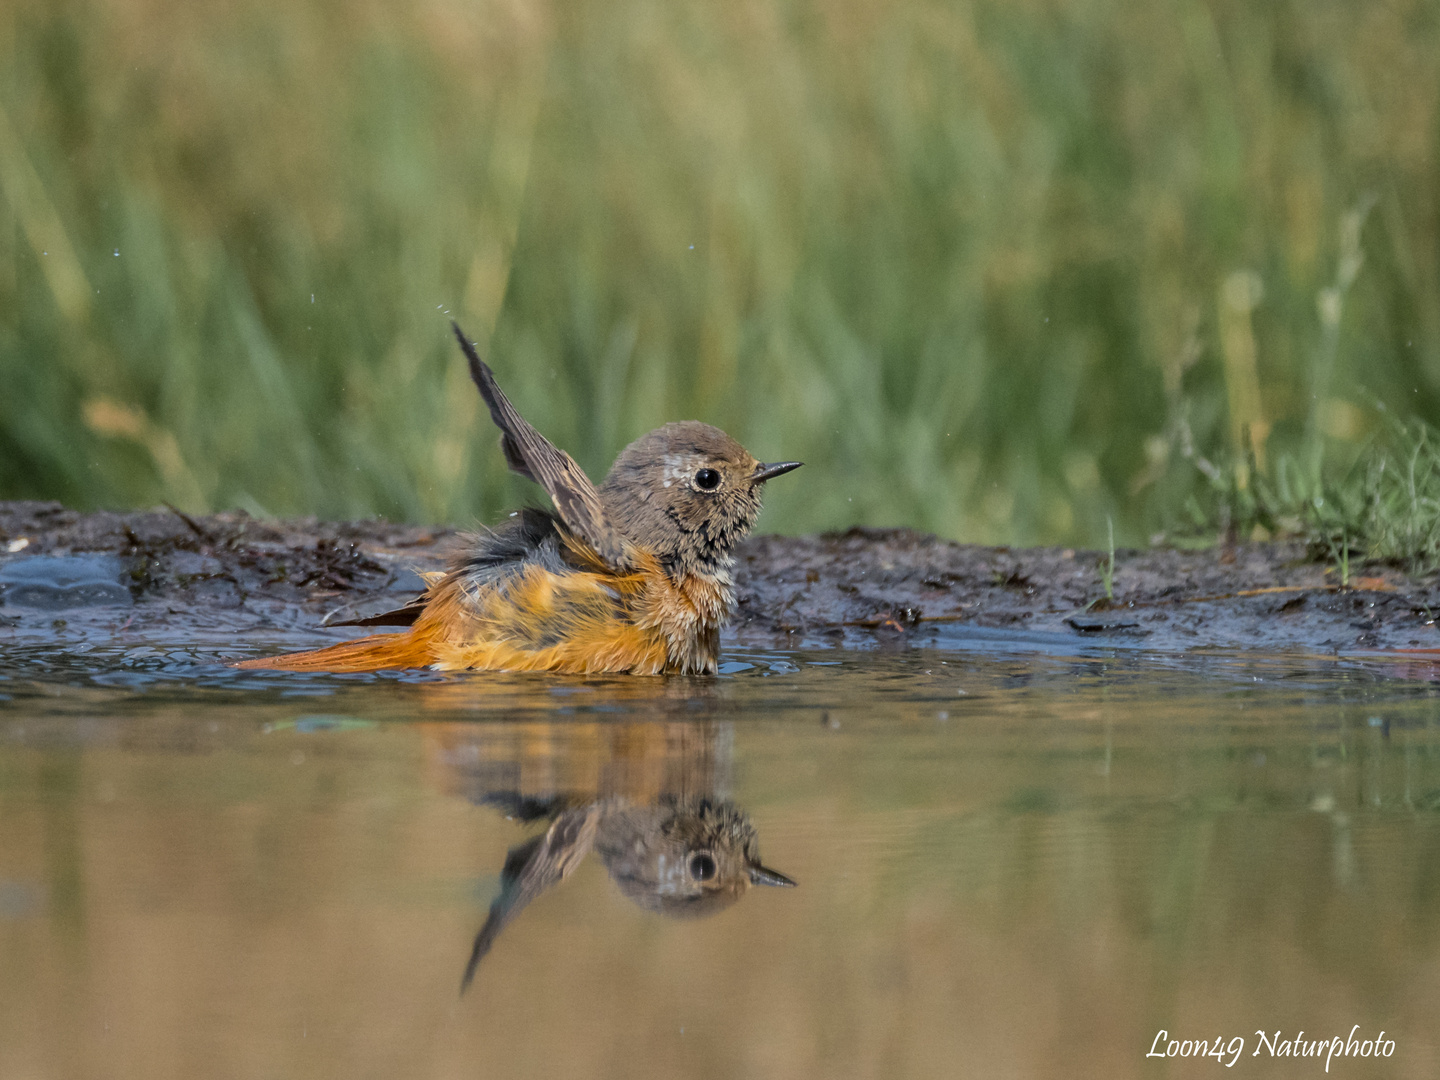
(654,814)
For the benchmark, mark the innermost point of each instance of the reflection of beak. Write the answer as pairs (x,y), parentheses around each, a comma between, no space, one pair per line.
(759,875)
(765,472)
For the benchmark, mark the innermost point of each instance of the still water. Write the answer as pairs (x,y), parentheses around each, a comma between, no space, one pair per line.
(1006,865)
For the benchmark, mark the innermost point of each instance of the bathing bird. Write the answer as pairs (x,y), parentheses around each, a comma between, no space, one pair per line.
(633,576)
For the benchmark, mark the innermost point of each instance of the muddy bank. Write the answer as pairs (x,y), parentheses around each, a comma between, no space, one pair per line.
(264,585)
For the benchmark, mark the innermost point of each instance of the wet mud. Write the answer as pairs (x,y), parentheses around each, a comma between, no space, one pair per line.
(267,584)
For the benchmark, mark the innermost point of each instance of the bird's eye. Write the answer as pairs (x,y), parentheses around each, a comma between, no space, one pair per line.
(702,866)
(707,479)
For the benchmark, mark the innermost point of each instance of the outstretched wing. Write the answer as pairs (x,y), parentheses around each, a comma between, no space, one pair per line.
(530,454)
(532,868)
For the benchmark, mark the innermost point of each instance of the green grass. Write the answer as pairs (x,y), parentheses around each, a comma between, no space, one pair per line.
(1001,270)
(1385,507)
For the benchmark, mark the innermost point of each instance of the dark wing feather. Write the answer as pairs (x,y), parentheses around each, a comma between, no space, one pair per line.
(530,454)
(404,616)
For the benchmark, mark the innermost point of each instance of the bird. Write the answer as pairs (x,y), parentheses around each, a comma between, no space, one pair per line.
(683,856)
(635,576)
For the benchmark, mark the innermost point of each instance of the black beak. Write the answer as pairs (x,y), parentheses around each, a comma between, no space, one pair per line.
(759,875)
(765,472)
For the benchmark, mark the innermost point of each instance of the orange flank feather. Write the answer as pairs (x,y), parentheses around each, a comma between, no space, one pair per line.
(536,619)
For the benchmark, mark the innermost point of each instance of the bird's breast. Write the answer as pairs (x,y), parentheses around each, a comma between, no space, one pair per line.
(690,611)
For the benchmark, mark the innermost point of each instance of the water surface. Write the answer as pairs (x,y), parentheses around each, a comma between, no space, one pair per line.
(1007,865)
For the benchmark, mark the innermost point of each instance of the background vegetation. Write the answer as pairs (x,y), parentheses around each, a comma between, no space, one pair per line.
(999,269)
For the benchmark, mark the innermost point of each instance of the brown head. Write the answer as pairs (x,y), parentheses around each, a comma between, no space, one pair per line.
(688,493)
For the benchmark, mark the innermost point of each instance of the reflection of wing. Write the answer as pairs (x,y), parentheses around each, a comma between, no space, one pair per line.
(526,807)
(532,868)
(530,454)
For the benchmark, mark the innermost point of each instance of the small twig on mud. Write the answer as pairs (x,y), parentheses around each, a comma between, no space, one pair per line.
(1107,568)
(195,526)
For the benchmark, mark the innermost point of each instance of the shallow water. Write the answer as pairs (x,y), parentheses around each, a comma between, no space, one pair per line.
(1008,864)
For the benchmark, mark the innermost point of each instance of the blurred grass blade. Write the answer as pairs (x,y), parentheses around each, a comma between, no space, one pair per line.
(25,191)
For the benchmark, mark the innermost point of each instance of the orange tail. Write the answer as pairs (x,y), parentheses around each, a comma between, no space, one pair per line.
(378,652)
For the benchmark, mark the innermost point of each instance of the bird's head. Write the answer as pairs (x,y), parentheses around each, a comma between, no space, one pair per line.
(688,493)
